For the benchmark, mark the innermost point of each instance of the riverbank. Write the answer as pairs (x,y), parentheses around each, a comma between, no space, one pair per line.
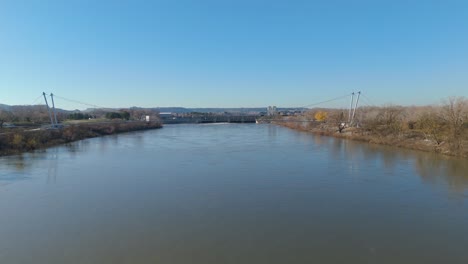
(411,139)
(24,140)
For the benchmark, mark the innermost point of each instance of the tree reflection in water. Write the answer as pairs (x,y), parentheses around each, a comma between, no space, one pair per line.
(19,163)
(431,167)
(435,168)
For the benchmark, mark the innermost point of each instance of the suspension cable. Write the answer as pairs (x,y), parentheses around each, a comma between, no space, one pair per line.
(35,100)
(368,100)
(334,99)
(79,102)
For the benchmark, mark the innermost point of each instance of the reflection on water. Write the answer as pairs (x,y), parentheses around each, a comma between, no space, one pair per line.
(432,168)
(231,194)
(19,163)
(53,162)
(272,130)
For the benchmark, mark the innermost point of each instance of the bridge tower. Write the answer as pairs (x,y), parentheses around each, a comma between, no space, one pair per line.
(53,107)
(355,106)
(350,108)
(48,109)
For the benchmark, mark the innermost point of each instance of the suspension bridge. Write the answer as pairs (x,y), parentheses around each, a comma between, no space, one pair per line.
(354,100)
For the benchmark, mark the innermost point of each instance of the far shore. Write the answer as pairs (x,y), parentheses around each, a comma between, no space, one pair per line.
(17,141)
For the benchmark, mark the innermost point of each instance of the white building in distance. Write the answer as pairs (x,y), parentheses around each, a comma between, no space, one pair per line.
(271,110)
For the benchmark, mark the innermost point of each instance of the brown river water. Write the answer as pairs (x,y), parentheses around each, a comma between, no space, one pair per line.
(231,193)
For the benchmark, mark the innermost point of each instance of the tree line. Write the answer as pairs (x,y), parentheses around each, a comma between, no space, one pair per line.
(444,127)
(38,114)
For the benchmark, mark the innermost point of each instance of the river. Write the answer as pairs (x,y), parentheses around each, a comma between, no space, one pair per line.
(231,193)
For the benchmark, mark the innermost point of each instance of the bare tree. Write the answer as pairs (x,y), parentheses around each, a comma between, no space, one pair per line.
(455,114)
(432,126)
(5,116)
(388,120)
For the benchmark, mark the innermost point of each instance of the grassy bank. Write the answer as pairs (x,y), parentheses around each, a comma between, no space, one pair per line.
(415,139)
(23,140)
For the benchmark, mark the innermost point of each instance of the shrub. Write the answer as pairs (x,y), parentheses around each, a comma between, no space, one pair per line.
(321,116)
(17,141)
(432,126)
(31,143)
(455,114)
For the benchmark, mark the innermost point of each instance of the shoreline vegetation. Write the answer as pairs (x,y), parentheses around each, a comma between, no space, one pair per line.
(20,140)
(439,129)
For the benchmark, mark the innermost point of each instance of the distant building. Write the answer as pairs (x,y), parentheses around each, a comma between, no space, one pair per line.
(271,111)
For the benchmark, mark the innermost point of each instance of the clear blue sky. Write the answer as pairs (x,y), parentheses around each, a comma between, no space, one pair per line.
(232,53)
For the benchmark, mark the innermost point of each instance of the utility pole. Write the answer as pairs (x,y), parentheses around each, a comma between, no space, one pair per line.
(53,107)
(350,108)
(357,100)
(48,109)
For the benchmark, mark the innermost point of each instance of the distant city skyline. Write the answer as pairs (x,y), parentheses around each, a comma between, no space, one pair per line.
(232,53)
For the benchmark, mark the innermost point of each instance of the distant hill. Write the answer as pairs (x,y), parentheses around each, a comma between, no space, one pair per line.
(5,107)
(31,108)
(172,109)
(219,110)
(160,109)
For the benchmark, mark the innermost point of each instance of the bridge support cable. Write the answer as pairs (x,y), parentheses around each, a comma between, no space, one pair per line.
(35,100)
(369,101)
(79,102)
(326,101)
